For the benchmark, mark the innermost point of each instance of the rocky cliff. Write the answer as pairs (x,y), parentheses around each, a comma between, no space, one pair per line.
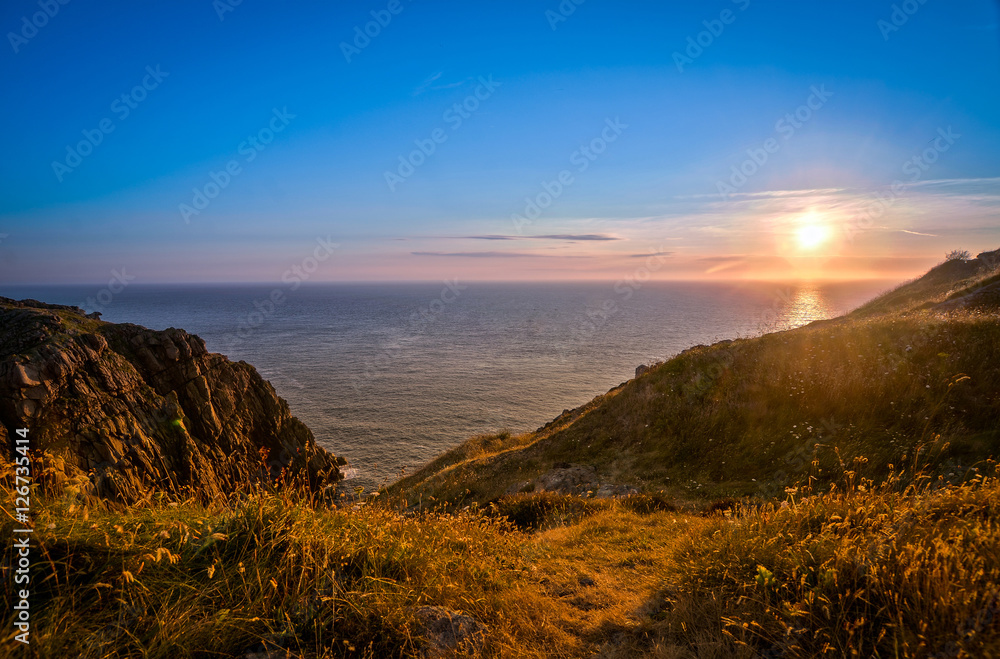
(120,411)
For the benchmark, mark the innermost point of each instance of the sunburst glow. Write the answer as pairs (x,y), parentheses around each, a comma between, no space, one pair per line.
(812,235)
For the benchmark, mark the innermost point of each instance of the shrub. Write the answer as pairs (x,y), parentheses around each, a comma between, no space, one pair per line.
(530,512)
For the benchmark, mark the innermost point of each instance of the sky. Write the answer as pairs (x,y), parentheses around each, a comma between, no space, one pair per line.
(226,140)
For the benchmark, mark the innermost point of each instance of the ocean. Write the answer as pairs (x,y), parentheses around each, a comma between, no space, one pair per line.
(391,375)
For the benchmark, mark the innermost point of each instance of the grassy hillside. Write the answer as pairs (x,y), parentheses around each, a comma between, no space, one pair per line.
(752,416)
(948,280)
(893,571)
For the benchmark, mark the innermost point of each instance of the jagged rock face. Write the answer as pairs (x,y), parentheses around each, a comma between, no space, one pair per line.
(121,411)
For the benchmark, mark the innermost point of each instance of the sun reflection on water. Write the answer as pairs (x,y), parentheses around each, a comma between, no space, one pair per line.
(806,304)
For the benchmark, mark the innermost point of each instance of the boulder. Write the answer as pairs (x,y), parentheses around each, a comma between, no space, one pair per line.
(445,632)
(576,479)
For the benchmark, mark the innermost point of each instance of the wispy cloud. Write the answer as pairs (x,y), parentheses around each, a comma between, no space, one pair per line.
(814,192)
(767,194)
(642,256)
(426,84)
(752,235)
(943,182)
(429,84)
(478,255)
(451,85)
(559,236)
(584,236)
(722,259)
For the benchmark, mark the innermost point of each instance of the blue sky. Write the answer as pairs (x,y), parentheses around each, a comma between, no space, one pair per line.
(646,129)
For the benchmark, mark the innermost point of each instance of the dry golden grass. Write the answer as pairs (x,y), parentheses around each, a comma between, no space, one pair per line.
(910,568)
(600,574)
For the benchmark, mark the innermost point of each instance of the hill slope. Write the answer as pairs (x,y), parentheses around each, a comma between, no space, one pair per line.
(755,415)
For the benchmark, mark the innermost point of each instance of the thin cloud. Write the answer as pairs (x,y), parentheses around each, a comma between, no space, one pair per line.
(450,85)
(478,255)
(642,256)
(951,181)
(426,84)
(429,84)
(722,259)
(778,194)
(559,236)
(767,194)
(584,236)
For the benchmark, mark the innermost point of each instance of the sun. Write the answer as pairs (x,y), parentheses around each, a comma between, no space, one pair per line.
(812,235)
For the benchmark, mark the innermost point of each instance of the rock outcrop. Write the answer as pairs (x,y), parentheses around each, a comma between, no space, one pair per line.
(984,298)
(120,411)
(568,478)
(447,633)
